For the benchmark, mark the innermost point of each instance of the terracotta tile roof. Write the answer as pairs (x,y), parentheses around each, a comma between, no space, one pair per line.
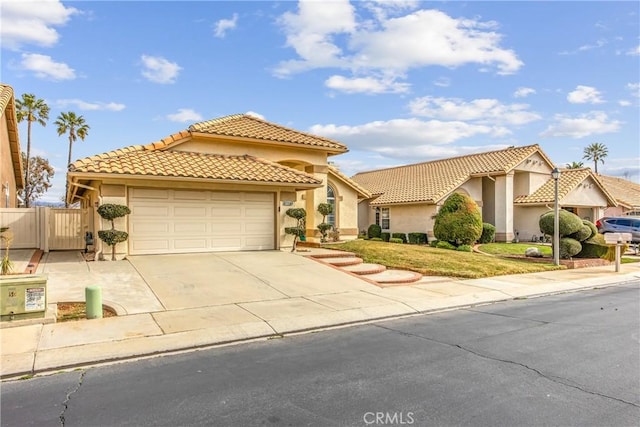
(570,180)
(246,126)
(430,181)
(362,192)
(8,108)
(626,192)
(142,161)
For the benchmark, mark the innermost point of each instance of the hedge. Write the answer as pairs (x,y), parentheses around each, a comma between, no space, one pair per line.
(374,231)
(418,238)
(395,240)
(385,236)
(401,236)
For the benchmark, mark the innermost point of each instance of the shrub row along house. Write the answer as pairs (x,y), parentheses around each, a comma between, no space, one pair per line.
(512,187)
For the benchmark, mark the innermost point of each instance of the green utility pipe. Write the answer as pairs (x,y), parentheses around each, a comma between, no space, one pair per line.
(93,296)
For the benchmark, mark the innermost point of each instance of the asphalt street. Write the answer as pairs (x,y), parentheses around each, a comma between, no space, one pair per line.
(563,360)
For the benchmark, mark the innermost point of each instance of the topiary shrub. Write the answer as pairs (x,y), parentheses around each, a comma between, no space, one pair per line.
(418,238)
(464,248)
(458,221)
(445,245)
(594,247)
(569,247)
(592,226)
(385,236)
(374,230)
(324,209)
(569,223)
(112,237)
(401,236)
(488,233)
(581,235)
(395,240)
(298,232)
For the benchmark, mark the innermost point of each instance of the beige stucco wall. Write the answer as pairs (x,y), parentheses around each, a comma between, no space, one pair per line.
(504,207)
(526,219)
(473,188)
(586,194)
(347,209)
(274,153)
(7,174)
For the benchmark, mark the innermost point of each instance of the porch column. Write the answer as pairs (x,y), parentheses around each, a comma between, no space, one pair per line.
(313,198)
(504,207)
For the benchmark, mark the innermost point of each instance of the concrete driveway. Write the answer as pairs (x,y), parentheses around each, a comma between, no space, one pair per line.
(209,279)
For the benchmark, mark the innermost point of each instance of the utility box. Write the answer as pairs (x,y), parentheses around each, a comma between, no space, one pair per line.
(23,297)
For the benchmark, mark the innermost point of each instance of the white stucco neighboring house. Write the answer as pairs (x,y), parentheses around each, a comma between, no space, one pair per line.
(512,187)
(220,185)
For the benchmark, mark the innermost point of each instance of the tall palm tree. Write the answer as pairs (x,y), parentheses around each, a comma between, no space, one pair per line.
(575,165)
(31,109)
(77,128)
(596,152)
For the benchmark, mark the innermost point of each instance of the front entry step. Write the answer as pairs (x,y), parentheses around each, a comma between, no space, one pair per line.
(365,268)
(395,277)
(342,261)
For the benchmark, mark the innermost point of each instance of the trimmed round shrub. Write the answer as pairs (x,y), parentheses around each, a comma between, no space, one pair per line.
(569,247)
(459,220)
(418,238)
(444,245)
(395,240)
(385,236)
(110,211)
(488,233)
(112,237)
(464,248)
(374,230)
(569,223)
(325,209)
(581,235)
(376,239)
(592,226)
(401,236)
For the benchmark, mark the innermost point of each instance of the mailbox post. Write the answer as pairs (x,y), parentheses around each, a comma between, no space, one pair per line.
(617,239)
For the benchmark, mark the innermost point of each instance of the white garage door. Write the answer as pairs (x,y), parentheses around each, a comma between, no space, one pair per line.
(180,221)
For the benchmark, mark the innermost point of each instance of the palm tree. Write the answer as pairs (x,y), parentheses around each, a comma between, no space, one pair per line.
(77,128)
(575,165)
(596,152)
(31,109)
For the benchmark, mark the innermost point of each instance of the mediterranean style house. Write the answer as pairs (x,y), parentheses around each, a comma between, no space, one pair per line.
(11,170)
(512,187)
(626,193)
(220,185)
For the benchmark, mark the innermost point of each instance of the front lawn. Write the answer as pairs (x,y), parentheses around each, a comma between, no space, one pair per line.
(514,248)
(439,262)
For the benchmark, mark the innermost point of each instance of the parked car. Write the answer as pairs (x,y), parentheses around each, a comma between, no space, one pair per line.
(620,224)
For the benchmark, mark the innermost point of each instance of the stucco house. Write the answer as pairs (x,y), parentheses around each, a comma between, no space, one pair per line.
(220,185)
(11,170)
(513,187)
(626,193)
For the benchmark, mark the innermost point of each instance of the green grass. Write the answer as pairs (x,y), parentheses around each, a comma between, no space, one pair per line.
(439,262)
(513,248)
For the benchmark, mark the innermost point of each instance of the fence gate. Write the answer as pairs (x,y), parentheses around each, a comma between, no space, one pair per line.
(66,228)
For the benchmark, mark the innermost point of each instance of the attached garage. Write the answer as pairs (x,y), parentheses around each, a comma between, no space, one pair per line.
(184,221)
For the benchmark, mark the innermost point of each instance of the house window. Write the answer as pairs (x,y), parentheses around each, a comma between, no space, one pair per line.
(385,219)
(331,199)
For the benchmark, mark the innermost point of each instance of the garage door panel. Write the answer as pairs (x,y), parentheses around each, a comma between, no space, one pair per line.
(183,221)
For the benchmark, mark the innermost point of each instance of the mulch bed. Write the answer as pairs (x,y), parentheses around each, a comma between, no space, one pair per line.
(77,311)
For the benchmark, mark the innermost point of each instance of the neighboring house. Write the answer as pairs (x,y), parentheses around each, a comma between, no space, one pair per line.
(626,193)
(220,185)
(11,170)
(512,187)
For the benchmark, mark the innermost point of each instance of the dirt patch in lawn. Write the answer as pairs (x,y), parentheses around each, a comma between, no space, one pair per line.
(68,311)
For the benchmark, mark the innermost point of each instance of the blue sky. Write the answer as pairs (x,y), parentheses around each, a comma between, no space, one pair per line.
(398,82)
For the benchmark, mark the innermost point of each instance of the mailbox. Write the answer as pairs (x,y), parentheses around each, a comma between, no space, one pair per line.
(617,237)
(23,297)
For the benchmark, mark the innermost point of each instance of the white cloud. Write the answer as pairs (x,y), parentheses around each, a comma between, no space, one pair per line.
(634,51)
(370,85)
(624,103)
(523,92)
(159,70)
(44,67)
(224,25)
(585,95)
(90,106)
(28,22)
(480,110)
(593,123)
(382,9)
(254,114)
(333,35)
(598,44)
(634,88)
(394,137)
(442,82)
(185,115)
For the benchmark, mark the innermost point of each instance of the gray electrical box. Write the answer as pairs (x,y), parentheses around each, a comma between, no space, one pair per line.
(23,297)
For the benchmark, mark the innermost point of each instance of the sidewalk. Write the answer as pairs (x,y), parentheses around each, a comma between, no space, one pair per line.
(160,313)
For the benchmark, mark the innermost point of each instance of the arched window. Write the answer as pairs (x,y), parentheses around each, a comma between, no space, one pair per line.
(331,199)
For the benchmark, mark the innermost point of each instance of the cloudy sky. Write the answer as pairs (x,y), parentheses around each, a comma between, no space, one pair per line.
(397,81)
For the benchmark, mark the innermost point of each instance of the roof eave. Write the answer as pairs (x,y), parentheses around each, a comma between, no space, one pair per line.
(242,139)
